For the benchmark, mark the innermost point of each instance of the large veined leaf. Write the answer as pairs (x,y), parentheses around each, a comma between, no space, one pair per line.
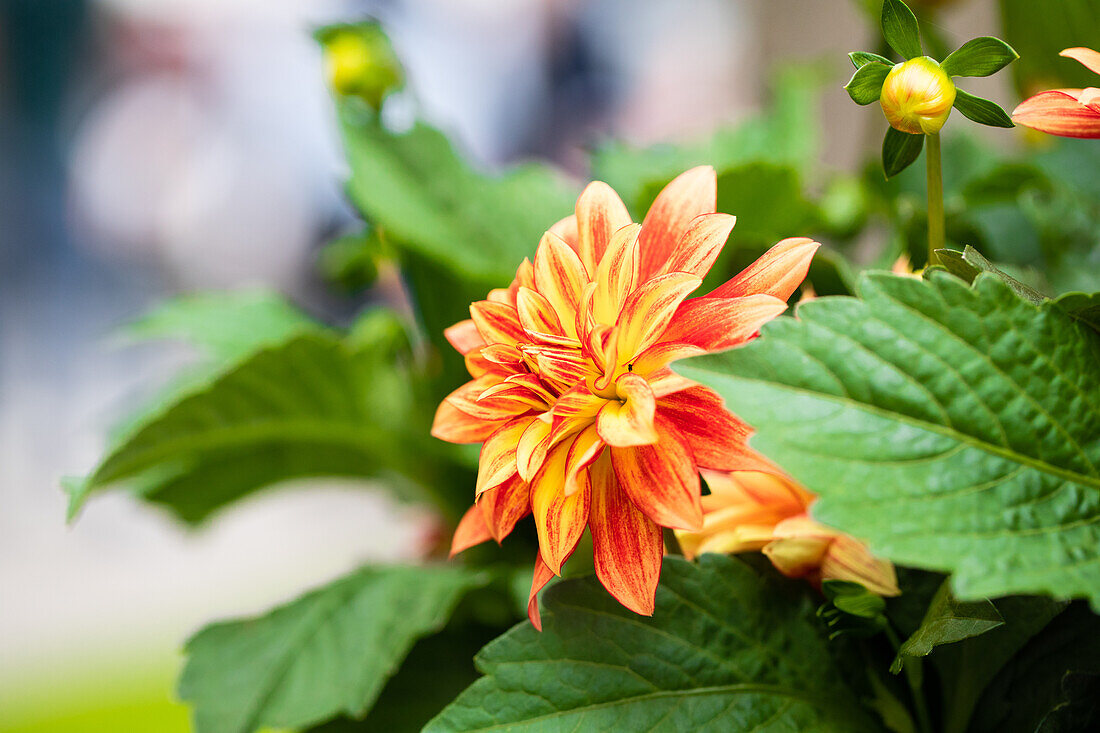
(329,652)
(423,197)
(311,406)
(954,428)
(726,650)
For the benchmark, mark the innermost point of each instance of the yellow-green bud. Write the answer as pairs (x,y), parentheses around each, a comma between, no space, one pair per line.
(917,96)
(360,62)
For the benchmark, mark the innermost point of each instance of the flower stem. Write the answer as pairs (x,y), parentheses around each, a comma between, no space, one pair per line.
(912,664)
(936,236)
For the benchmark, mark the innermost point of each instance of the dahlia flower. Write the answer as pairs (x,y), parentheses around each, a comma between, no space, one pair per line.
(582,422)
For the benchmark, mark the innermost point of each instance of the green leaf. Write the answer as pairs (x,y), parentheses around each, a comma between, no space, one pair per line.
(852,609)
(969,263)
(308,407)
(1083,307)
(328,652)
(865,86)
(953,428)
(899,150)
(726,650)
(979,57)
(982,111)
(861,58)
(426,199)
(899,27)
(947,621)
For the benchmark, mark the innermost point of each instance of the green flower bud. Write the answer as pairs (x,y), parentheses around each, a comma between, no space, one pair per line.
(359,61)
(917,96)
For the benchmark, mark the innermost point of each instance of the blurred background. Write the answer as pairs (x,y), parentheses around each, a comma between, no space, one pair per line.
(153,147)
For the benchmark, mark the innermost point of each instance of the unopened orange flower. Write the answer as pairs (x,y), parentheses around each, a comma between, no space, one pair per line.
(754,510)
(1065,112)
(581,420)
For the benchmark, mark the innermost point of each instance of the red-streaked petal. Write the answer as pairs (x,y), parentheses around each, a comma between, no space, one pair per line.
(560,277)
(502,354)
(1090,98)
(564,366)
(574,410)
(720,323)
(559,519)
(455,426)
(471,531)
(498,323)
(542,576)
(616,275)
(648,311)
(464,336)
(467,399)
(661,479)
(600,213)
(584,449)
(664,382)
(689,195)
(536,314)
(1059,114)
(778,272)
(701,244)
(662,354)
(532,447)
(1085,56)
(505,505)
(629,422)
(497,462)
(567,229)
(626,544)
(718,440)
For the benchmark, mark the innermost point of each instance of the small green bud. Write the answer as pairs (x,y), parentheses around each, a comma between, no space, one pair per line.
(359,61)
(917,96)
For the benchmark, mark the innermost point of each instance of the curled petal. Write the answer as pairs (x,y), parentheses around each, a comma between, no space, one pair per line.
(471,531)
(701,244)
(464,336)
(497,462)
(662,354)
(536,315)
(689,195)
(721,323)
(560,277)
(498,323)
(718,440)
(583,451)
(564,366)
(626,544)
(661,479)
(600,213)
(542,576)
(616,275)
(504,505)
(778,272)
(559,519)
(849,559)
(574,411)
(502,354)
(502,406)
(628,421)
(455,426)
(648,311)
(566,229)
(1086,56)
(1059,114)
(532,447)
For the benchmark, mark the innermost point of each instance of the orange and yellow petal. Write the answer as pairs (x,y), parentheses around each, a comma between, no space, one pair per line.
(701,244)
(497,463)
(662,479)
(718,440)
(687,196)
(559,519)
(721,323)
(648,311)
(1058,113)
(504,505)
(471,531)
(541,577)
(455,426)
(1086,56)
(600,213)
(777,272)
(628,420)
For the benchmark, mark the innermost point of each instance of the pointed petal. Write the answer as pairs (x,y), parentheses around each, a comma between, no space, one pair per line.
(701,244)
(583,451)
(464,336)
(471,531)
(721,323)
(616,275)
(1059,114)
(497,462)
(455,426)
(574,411)
(849,559)
(689,195)
(628,421)
(718,440)
(532,447)
(559,519)
(542,576)
(536,315)
(778,272)
(664,382)
(600,213)
(1086,56)
(566,229)
(502,354)
(1090,98)
(648,311)
(504,505)
(498,323)
(626,544)
(562,365)
(467,399)
(662,354)
(560,277)
(661,479)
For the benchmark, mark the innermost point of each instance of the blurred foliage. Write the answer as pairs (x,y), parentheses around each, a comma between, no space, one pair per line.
(1039,30)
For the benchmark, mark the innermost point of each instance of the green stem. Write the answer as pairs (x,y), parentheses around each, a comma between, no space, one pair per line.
(911,664)
(936,236)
